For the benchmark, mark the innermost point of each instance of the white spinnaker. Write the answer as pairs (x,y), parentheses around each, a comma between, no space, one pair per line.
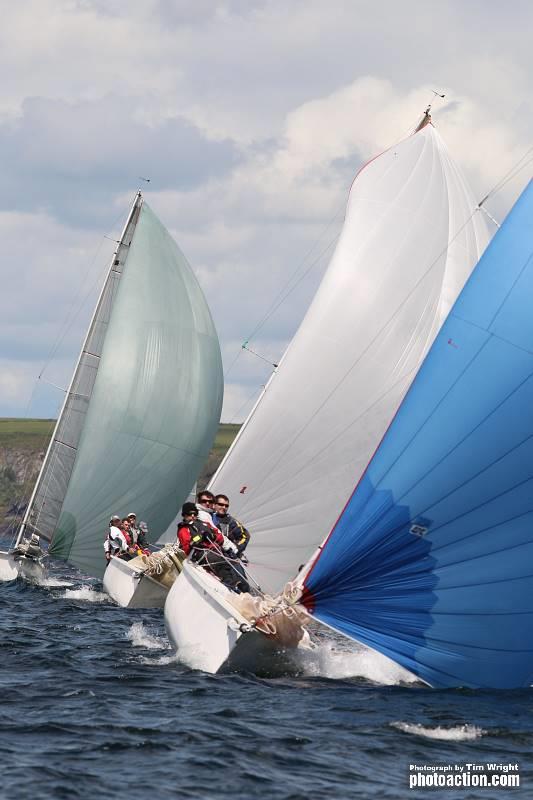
(410,239)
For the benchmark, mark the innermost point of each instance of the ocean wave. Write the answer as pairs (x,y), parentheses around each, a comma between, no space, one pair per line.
(458,733)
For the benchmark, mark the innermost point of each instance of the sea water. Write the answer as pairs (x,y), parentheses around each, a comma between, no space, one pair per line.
(95,704)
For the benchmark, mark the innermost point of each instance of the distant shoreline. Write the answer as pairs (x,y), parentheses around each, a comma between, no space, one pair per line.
(23,443)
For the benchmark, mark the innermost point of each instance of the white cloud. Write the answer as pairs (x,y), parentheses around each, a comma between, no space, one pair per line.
(16,383)
(251,119)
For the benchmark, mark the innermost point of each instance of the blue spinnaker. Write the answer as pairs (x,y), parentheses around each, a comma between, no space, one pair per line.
(431,561)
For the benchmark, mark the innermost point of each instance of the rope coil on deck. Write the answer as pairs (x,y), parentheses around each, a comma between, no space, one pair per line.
(275,616)
(171,555)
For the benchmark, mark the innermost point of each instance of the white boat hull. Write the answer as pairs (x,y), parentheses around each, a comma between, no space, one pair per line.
(9,568)
(13,567)
(130,588)
(210,634)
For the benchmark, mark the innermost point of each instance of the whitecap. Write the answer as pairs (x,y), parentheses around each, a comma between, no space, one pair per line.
(458,733)
(140,637)
(86,593)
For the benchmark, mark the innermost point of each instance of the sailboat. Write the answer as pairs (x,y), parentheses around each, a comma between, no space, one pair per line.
(140,414)
(431,560)
(410,239)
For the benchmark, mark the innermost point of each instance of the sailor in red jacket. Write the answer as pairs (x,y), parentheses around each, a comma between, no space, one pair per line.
(193,534)
(204,543)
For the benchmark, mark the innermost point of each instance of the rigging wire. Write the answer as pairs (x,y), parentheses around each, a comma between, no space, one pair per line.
(352,366)
(249,350)
(512,173)
(46,474)
(285,291)
(64,329)
(245,405)
(79,301)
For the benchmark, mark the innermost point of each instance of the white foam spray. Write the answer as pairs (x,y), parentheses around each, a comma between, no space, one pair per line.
(54,583)
(161,661)
(330,659)
(86,593)
(458,733)
(193,657)
(140,637)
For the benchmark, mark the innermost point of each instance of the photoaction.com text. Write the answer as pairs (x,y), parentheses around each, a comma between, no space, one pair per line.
(489,775)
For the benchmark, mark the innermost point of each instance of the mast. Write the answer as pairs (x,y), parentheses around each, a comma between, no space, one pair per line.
(426,120)
(90,359)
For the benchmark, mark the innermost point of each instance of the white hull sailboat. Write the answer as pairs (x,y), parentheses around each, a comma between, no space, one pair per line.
(144,581)
(410,240)
(139,417)
(216,630)
(15,563)
(131,587)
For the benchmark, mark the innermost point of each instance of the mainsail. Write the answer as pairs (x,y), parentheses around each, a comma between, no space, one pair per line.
(144,404)
(410,239)
(431,561)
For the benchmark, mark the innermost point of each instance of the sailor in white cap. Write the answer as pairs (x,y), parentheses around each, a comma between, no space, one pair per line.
(134,528)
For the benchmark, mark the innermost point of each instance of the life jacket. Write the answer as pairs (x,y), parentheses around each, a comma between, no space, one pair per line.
(134,533)
(114,541)
(197,536)
(233,529)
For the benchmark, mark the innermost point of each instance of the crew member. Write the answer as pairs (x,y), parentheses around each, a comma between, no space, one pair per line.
(115,541)
(142,541)
(205,543)
(230,527)
(205,502)
(236,533)
(134,530)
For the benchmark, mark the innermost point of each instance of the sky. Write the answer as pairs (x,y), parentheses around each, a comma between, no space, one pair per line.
(250,118)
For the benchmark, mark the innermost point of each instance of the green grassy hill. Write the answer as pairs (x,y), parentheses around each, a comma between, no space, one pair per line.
(23,443)
(16,430)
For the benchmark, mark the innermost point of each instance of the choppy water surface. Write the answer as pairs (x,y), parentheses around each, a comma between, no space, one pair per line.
(96,705)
